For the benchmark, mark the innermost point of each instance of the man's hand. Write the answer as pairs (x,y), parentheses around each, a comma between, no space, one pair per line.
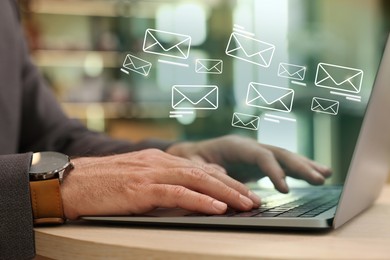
(138,182)
(245,156)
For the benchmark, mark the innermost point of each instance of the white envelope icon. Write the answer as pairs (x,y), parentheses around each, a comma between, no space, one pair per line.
(270,97)
(209,66)
(339,78)
(137,65)
(167,44)
(245,121)
(195,97)
(326,106)
(291,71)
(249,49)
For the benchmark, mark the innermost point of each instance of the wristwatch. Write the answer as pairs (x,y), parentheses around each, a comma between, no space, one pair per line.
(47,172)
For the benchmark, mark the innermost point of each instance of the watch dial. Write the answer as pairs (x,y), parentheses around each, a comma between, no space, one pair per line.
(48,162)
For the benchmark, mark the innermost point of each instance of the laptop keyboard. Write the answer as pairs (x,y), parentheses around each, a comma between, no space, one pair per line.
(301,203)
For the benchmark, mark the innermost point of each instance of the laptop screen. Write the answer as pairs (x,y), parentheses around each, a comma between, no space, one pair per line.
(294,74)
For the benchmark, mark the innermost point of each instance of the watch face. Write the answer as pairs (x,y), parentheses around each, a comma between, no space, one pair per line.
(46,165)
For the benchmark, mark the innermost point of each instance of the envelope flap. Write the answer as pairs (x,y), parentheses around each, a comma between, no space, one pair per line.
(196,94)
(136,62)
(338,74)
(209,64)
(166,40)
(128,60)
(245,119)
(325,104)
(252,46)
(291,69)
(270,94)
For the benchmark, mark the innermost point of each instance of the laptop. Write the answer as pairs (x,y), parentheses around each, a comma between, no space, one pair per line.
(307,207)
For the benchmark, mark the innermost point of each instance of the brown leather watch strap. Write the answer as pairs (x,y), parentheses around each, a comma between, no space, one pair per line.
(47,202)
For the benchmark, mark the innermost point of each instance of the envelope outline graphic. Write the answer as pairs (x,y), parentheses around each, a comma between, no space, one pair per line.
(284,97)
(258,57)
(331,107)
(346,84)
(291,71)
(252,123)
(137,65)
(209,66)
(182,45)
(182,93)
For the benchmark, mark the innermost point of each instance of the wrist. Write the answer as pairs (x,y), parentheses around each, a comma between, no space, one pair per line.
(70,191)
(46,175)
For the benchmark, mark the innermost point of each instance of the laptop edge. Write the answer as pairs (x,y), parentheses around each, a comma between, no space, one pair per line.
(370,163)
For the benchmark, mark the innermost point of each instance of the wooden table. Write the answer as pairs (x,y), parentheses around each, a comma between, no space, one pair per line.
(365,237)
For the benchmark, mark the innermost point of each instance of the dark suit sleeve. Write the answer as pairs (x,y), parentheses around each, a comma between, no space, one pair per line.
(44,126)
(16,227)
(32,120)
(16,232)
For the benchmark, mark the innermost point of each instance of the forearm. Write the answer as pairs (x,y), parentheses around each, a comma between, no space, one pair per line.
(45,127)
(74,139)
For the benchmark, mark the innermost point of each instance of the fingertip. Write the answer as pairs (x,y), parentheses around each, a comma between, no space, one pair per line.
(219,207)
(246,203)
(283,187)
(324,170)
(317,178)
(256,199)
(327,172)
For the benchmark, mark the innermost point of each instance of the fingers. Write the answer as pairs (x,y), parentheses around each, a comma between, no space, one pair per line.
(201,179)
(220,173)
(197,158)
(270,166)
(218,168)
(324,170)
(171,196)
(300,167)
(239,187)
(265,160)
(272,161)
(276,163)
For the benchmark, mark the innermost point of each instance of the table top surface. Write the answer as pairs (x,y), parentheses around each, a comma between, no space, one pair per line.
(367,236)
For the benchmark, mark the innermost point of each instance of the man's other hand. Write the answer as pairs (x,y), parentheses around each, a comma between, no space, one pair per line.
(246,159)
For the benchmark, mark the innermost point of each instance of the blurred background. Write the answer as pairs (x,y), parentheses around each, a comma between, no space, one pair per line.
(81,45)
